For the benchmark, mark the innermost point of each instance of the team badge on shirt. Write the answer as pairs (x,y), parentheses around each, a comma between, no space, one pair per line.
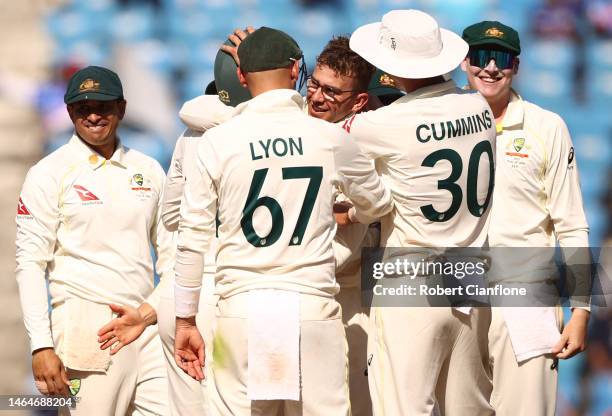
(517,151)
(141,186)
(75,386)
(518,143)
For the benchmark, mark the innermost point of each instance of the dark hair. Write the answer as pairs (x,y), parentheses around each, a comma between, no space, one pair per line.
(343,61)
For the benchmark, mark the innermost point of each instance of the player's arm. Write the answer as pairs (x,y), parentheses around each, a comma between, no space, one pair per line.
(173,189)
(564,203)
(196,229)
(356,177)
(37,222)
(131,322)
(207,111)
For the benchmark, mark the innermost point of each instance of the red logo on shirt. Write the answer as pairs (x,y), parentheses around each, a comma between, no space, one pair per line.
(84,194)
(21,208)
(348,123)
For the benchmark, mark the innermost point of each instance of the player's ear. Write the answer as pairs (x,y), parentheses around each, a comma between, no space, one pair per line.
(121,104)
(70,110)
(361,100)
(295,70)
(241,77)
(515,68)
(464,64)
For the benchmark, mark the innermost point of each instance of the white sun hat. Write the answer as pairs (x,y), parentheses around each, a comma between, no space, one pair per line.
(409,44)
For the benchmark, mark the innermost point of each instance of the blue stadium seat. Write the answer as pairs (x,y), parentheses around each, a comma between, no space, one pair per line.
(599,53)
(82,51)
(134,24)
(69,25)
(547,88)
(195,82)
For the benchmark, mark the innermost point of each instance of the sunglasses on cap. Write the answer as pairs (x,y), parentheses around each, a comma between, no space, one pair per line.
(482,57)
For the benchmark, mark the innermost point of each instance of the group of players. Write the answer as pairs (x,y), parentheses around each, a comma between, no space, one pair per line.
(258,229)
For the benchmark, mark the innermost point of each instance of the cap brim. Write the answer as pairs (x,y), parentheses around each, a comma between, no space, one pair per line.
(364,41)
(496,42)
(95,96)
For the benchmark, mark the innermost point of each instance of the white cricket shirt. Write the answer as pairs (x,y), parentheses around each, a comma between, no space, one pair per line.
(435,148)
(89,223)
(270,174)
(537,195)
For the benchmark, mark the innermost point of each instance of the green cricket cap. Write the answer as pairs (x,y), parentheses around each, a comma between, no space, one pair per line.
(492,33)
(382,84)
(93,83)
(229,88)
(266,49)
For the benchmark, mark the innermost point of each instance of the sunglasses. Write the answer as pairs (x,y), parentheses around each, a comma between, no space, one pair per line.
(482,57)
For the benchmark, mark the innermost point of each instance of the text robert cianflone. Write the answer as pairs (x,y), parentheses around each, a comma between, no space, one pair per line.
(413,269)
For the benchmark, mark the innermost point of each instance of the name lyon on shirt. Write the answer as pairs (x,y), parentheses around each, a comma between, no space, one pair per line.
(459,127)
(279,146)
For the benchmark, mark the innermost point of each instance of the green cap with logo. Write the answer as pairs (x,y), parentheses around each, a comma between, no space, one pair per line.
(267,49)
(382,84)
(229,89)
(492,33)
(93,83)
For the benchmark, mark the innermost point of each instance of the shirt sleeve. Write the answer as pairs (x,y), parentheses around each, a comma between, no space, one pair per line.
(163,243)
(562,186)
(173,190)
(197,224)
(207,111)
(357,179)
(37,220)
(564,204)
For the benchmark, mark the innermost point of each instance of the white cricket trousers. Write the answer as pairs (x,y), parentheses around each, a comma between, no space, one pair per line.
(186,396)
(423,354)
(134,384)
(323,362)
(355,318)
(525,389)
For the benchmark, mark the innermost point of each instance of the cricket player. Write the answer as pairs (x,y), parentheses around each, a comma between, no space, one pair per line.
(88,214)
(434,147)
(536,175)
(336,90)
(269,174)
(186,395)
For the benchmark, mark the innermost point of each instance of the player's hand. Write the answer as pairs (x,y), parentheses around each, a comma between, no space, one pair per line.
(49,373)
(341,214)
(122,330)
(189,348)
(573,338)
(236,38)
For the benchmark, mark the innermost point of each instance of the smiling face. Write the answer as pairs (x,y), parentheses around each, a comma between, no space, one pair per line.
(343,88)
(96,123)
(492,82)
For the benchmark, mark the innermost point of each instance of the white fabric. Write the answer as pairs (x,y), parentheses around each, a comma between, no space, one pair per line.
(532,331)
(186,300)
(90,223)
(228,163)
(409,44)
(539,180)
(273,345)
(400,137)
(537,176)
(81,350)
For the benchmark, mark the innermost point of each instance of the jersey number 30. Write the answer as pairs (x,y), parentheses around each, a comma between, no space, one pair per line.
(314,173)
(449,184)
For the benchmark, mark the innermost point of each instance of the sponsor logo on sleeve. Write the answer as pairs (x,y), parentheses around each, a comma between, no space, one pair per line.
(22,210)
(570,158)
